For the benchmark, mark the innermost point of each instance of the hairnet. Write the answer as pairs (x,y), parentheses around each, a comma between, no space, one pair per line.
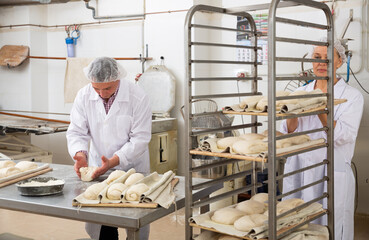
(104,69)
(337,45)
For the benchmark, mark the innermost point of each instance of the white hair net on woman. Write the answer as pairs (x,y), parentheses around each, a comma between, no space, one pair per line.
(104,69)
(337,45)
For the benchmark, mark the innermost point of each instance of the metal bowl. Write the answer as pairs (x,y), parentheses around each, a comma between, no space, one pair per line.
(39,190)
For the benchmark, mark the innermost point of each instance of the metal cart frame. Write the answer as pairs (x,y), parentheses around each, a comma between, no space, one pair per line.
(272,116)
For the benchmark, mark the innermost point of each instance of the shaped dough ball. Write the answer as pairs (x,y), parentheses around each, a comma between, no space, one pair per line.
(247,147)
(260,197)
(249,222)
(300,139)
(8,171)
(115,191)
(251,207)
(227,237)
(92,192)
(7,163)
(86,173)
(288,204)
(227,215)
(252,136)
(135,191)
(26,165)
(114,175)
(132,179)
(227,142)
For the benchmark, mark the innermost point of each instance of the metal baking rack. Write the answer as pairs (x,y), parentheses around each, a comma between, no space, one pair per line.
(191,60)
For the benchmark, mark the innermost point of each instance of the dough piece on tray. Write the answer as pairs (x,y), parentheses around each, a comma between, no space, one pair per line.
(249,147)
(278,133)
(86,173)
(260,197)
(227,215)
(135,191)
(114,175)
(8,171)
(26,165)
(227,237)
(248,222)
(223,143)
(134,178)
(7,163)
(251,207)
(92,192)
(288,204)
(252,136)
(115,191)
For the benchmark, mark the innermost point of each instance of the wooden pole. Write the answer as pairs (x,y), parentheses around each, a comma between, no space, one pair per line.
(38,118)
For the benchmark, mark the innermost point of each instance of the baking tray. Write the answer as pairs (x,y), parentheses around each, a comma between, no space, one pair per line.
(39,190)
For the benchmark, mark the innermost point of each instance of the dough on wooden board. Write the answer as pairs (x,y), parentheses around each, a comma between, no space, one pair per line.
(251,207)
(114,175)
(226,237)
(132,179)
(8,171)
(7,163)
(115,191)
(260,197)
(250,102)
(135,191)
(86,173)
(249,222)
(249,147)
(26,165)
(92,192)
(288,204)
(227,142)
(227,215)
(252,136)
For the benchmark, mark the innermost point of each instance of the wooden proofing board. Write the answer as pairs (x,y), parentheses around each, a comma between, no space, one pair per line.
(33,174)
(248,238)
(336,102)
(123,205)
(249,158)
(13,55)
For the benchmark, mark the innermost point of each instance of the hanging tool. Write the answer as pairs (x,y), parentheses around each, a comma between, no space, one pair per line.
(72,36)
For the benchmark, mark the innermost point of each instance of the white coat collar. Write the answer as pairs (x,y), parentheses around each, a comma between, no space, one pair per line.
(339,87)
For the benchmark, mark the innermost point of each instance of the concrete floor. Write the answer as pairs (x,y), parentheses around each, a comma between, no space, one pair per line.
(25,226)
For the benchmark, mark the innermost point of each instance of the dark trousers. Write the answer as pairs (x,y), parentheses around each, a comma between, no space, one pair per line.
(108,233)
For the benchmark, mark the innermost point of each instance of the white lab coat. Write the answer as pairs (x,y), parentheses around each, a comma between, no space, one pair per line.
(125,131)
(348,117)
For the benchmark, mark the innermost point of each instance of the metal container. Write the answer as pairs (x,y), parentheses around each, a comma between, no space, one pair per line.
(39,190)
(211,173)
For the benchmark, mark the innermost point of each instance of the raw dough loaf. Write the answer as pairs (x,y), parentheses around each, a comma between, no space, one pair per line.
(26,165)
(8,171)
(132,179)
(250,102)
(226,237)
(227,142)
(288,204)
(7,163)
(252,136)
(249,222)
(135,191)
(86,173)
(92,192)
(277,133)
(115,191)
(248,147)
(300,139)
(251,207)
(115,175)
(227,215)
(260,197)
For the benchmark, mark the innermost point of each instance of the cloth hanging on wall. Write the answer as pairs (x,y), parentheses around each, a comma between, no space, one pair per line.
(75,79)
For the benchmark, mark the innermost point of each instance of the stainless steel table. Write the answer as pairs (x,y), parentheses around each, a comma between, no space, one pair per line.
(61,205)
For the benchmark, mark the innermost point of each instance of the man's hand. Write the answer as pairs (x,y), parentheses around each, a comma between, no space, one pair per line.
(81,161)
(106,164)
